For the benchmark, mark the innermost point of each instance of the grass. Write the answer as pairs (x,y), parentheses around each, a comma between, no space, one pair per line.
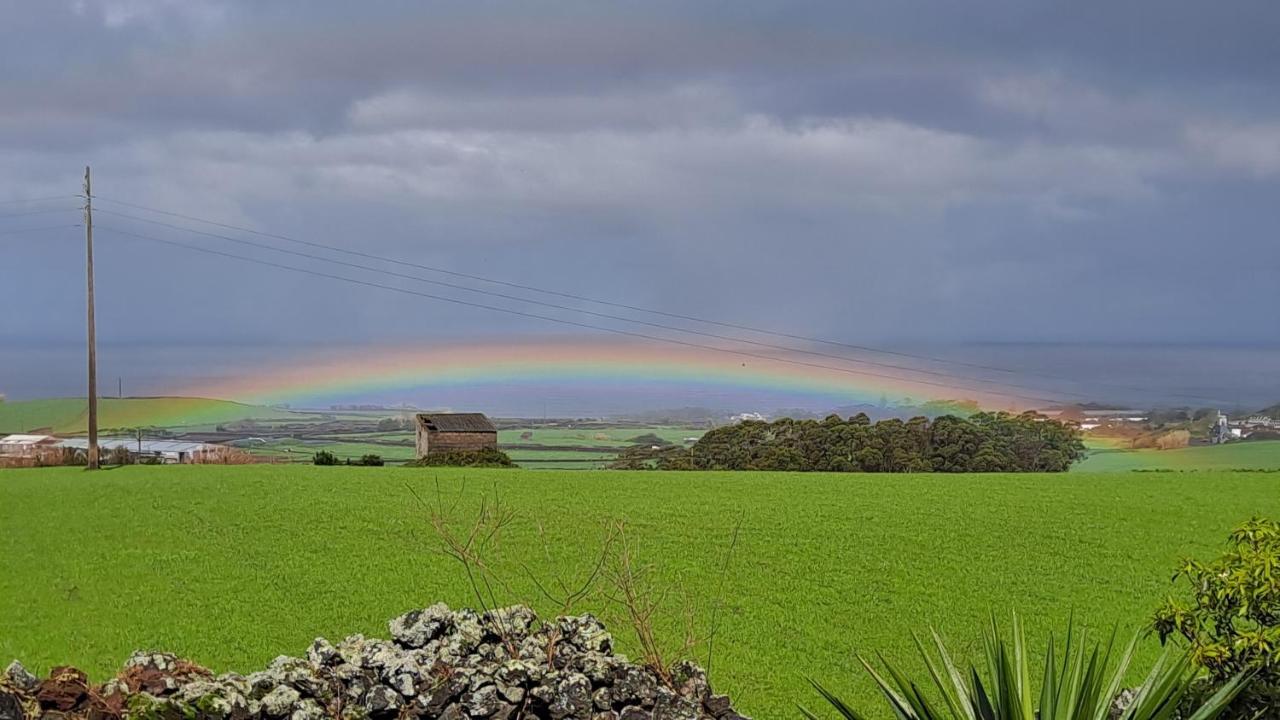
(235,565)
(1261,455)
(68,415)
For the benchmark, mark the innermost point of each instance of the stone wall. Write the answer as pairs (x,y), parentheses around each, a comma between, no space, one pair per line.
(462,665)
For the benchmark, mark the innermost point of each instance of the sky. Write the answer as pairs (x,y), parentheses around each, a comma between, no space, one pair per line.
(894,175)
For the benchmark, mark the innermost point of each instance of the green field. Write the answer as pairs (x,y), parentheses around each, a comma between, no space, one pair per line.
(1261,455)
(68,415)
(234,565)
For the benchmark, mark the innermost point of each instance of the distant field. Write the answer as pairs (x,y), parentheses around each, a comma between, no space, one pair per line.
(544,448)
(234,565)
(1262,455)
(69,415)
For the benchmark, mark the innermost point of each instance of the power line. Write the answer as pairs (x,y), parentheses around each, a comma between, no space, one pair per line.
(570,296)
(33,229)
(606,316)
(634,308)
(548,318)
(33,200)
(39,212)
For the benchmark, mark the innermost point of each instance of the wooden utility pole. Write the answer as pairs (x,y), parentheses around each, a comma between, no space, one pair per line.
(92,334)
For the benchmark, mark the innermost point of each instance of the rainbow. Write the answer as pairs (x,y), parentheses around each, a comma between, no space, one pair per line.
(439,375)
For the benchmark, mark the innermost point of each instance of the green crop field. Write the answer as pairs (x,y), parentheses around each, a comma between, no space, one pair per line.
(235,565)
(68,415)
(1261,455)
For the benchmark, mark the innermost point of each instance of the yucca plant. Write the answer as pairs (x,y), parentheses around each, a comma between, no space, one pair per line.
(1082,684)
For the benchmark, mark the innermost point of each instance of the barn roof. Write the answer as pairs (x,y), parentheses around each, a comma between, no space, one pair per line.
(457,422)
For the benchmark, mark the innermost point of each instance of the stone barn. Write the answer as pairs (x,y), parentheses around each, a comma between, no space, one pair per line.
(448,432)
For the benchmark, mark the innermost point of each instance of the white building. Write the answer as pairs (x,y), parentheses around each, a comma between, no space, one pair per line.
(25,445)
(162,451)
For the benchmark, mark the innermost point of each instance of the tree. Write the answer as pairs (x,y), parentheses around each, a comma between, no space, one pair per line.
(1232,620)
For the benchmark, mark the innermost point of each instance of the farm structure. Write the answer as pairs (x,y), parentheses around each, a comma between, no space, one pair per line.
(25,445)
(449,432)
(166,452)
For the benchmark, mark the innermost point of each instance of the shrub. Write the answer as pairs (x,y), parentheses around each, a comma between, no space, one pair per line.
(1232,621)
(488,457)
(650,439)
(1083,684)
(370,460)
(982,442)
(324,457)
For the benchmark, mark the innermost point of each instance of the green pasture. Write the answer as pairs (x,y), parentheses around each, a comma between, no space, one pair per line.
(68,415)
(235,565)
(1261,455)
(619,437)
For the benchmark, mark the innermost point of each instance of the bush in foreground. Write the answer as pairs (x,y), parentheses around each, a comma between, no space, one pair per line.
(324,457)
(1232,621)
(1083,684)
(486,458)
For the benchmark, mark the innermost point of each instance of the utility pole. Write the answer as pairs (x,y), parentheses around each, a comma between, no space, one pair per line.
(92,334)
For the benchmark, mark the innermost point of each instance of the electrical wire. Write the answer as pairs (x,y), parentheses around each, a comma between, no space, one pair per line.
(606,316)
(34,200)
(810,352)
(39,212)
(548,318)
(33,229)
(570,296)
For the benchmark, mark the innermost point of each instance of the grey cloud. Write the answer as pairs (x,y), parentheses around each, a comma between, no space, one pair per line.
(898,171)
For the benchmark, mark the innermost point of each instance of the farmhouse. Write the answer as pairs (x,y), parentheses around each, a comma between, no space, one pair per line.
(447,432)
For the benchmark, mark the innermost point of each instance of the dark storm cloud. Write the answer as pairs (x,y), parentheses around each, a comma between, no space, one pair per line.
(879,171)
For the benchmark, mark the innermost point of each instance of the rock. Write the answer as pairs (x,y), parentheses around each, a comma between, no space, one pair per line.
(1121,703)
(322,652)
(570,697)
(453,712)
(416,628)
(280,701)
(602,699)
(634,685)
(11,705)
(586,633)
(307,709)
(441,665)
(382,700)
(511,623)
(404,684)
(717,705)
(482,702)
(63,690)
(18,678)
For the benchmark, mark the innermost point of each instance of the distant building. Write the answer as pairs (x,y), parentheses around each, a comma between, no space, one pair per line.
(167,452)
(1221,431)
(448,432)
(743,417)
(25,445)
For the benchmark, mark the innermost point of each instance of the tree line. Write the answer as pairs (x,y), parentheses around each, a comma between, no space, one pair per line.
(983,442)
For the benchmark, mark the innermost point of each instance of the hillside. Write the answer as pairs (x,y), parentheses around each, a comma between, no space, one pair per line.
(68,415)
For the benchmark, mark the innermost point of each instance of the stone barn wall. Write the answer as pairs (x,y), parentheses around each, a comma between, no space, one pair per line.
(439,442)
